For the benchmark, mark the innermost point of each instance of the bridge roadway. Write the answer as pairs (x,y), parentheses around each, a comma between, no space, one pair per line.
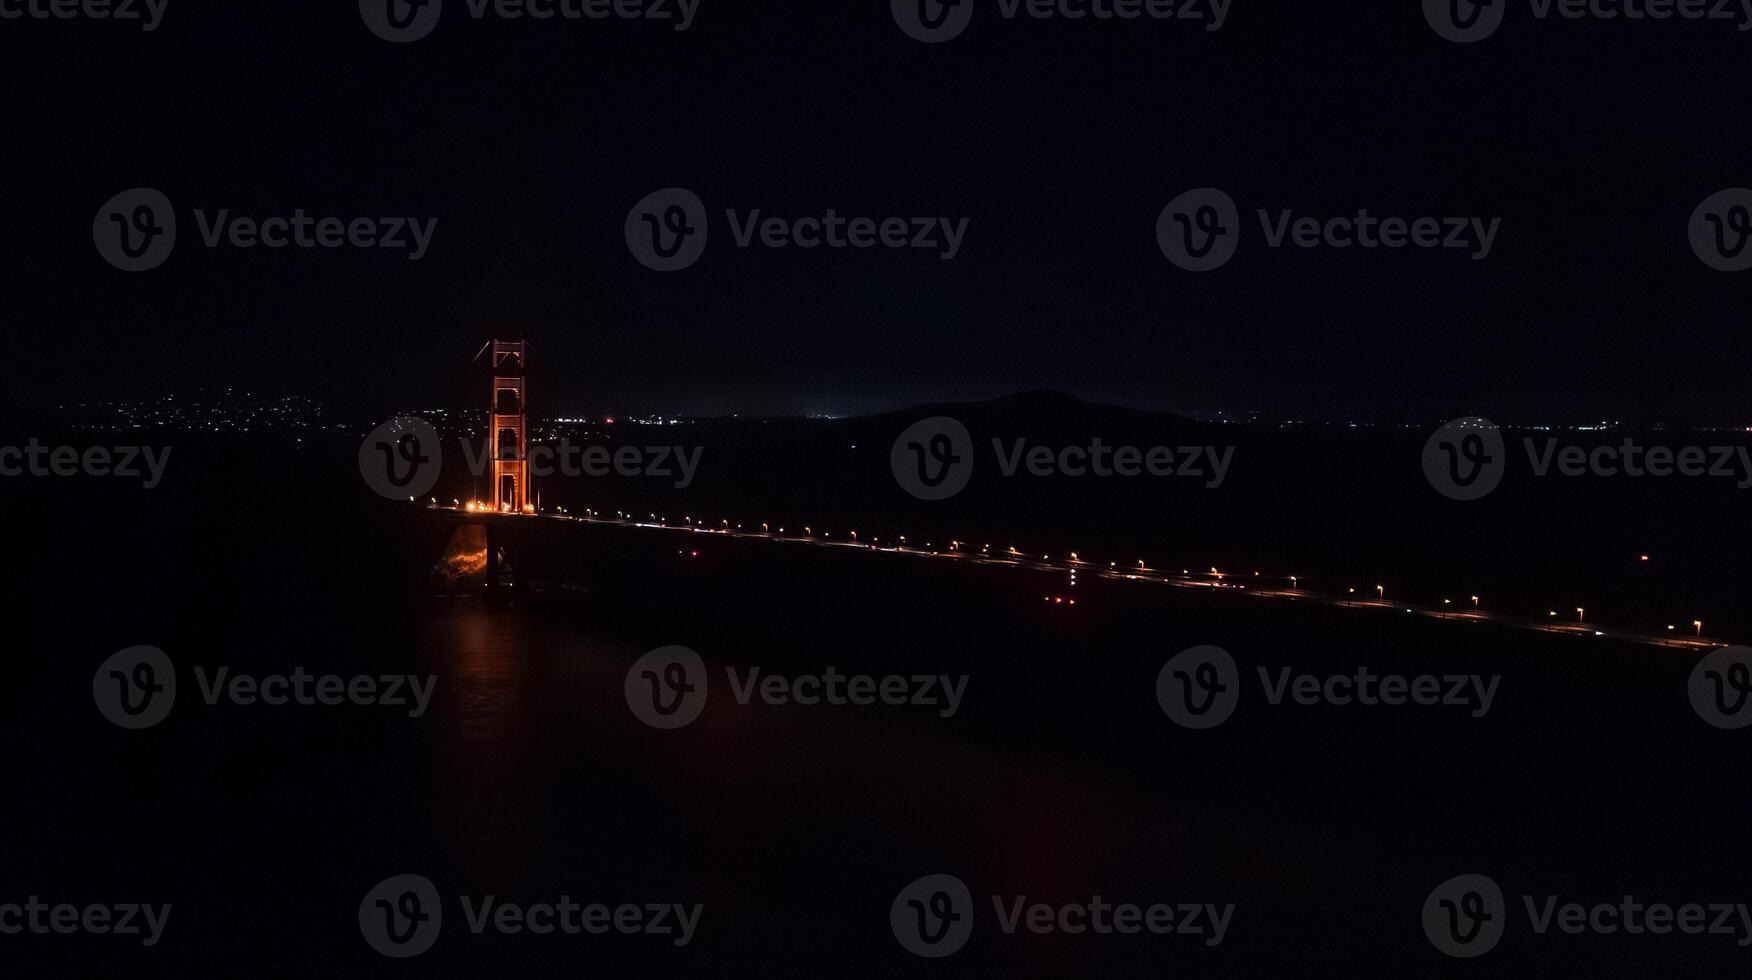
(502,525)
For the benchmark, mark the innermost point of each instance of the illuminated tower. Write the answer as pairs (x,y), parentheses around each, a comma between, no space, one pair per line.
(510,418)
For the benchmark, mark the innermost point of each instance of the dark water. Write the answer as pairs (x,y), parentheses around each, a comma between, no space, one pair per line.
(1059,778)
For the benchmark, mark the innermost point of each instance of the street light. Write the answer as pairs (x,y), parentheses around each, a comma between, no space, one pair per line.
(1381,592)
(1699,624)
(1581,615)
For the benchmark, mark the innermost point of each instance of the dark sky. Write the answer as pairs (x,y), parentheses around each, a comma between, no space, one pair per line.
(1061,141)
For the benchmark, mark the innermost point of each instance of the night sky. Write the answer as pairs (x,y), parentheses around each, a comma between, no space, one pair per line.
(1061,141)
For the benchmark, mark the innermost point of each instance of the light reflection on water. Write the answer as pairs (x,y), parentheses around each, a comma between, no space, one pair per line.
(515,685)
(539,756)
(541,780)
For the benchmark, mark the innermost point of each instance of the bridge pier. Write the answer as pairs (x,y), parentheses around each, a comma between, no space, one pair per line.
(499,541)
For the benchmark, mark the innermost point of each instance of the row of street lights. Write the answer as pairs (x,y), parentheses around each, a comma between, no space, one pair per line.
(955,546)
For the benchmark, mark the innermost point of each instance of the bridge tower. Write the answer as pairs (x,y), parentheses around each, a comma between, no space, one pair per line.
(509,416)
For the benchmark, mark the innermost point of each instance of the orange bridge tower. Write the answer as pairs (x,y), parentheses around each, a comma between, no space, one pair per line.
(510,428)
